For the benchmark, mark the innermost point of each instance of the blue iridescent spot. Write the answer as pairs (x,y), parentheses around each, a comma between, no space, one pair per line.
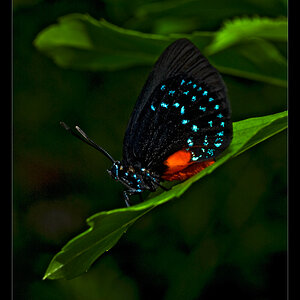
(210,123)
(163,104)
(194,85)
(220,116)
(217,106)
(186,92)
(199,89)
(182,110)
(171,93)
(210,152)
(152,107)
(195,128)
(194,158)
(189,82)
(204,93)
(221,133)
(163,87)
(202,108)
(218,142)
(185,121)
(182,82)
(176,104)
(222,124)
(211,99)
(134,175)
(205,143)
(138,191)
(190,142)
(194,98)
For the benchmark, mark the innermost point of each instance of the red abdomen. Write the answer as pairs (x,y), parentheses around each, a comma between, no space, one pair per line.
(180,167)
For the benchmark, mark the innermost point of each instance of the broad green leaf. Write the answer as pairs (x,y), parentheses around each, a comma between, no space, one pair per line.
(254,59)
(107,227)
(81,42)
(243,48)
(242,29)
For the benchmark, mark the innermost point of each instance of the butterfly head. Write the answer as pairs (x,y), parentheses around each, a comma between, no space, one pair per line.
(136,180)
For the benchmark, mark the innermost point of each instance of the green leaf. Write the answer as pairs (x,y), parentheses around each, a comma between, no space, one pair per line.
(107,227)
(81,42)
(242,29)
(243,47)
(253,59)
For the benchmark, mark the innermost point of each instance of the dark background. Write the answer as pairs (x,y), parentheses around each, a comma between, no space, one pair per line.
(225,237)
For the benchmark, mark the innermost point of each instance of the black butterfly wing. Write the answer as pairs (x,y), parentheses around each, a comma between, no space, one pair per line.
(183,105)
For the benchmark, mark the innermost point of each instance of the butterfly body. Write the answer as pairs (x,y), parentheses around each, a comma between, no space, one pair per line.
(136,180)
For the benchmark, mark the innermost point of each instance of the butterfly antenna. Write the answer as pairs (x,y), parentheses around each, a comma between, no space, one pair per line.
(83,137)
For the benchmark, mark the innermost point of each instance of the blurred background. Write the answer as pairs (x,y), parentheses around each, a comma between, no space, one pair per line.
(226,236)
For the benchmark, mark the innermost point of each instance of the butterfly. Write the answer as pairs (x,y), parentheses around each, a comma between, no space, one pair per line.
(180,123)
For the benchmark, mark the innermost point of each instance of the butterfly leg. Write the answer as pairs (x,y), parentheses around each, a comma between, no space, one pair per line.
(129,193)
(126,198)
(155,182)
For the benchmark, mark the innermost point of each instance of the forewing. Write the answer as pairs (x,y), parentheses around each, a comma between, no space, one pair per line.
(183,105)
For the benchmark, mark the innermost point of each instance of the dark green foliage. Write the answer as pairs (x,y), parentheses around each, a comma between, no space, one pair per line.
(225,235)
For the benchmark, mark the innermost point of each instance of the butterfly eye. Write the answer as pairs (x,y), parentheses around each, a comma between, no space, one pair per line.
(115,171)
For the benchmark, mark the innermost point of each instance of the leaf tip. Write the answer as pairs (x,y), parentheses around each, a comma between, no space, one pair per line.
(45,277)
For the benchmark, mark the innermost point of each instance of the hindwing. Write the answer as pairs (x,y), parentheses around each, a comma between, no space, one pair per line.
(183,106)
